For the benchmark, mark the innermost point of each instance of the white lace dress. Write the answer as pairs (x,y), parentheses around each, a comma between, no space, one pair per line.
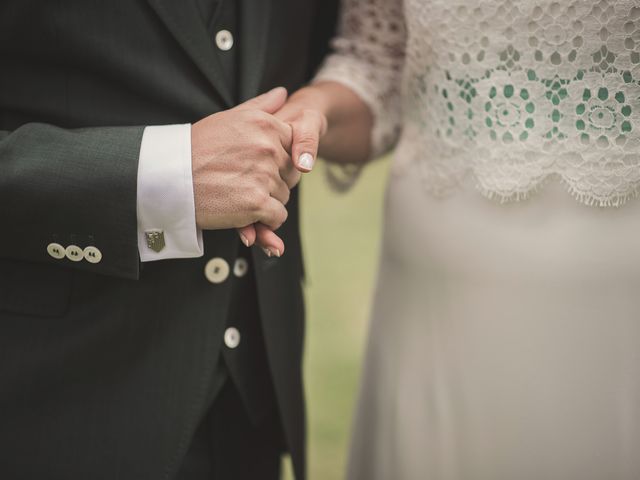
(505,338)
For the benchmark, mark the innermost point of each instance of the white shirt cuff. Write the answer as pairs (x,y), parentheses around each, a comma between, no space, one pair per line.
(165,195)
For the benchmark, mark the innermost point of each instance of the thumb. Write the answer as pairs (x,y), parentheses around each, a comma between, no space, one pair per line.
(306,137)
(269,102)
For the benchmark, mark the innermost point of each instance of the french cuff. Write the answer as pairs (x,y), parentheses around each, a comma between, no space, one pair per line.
(166,206)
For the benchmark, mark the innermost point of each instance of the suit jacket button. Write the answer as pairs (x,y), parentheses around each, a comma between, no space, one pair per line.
(74,253)
(241,267)
(92,255)
(232,337)
(224,40)
(216,270)
(56,250)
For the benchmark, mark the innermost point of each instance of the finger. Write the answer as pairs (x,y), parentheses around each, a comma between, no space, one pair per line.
(285,134)
(247,235)
(290,175)
(286,167)
(280,190)
(273,214)
(277,131)
(269,102)
(271,243)
(306,137)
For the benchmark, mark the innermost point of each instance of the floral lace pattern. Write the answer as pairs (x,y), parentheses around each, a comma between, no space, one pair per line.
(512,92)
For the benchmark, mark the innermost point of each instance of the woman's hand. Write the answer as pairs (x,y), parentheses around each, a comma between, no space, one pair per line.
(306,114)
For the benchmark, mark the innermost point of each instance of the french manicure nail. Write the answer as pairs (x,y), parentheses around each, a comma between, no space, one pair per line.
(277,253)
(267,252)
(306,161)
(244,239)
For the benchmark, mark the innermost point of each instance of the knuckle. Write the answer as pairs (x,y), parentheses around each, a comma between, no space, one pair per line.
(283,163)
(307,138)
(266,178)
(259,200)
(286,196)
(262,120)
(266,148)
(261,178)
(269,174)
(282,217)
(260,167)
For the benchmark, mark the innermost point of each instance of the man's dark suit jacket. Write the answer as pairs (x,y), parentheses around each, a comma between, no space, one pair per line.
(104,368)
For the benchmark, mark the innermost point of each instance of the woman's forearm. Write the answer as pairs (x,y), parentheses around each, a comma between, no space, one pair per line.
(349,121)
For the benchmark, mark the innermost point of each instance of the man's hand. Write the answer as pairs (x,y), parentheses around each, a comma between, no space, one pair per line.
(242,168)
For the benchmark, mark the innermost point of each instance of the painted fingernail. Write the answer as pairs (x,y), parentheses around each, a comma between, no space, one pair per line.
(306,161)
(267,252)
(244,239)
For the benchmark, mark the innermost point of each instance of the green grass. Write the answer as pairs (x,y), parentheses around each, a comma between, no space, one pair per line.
(341,236)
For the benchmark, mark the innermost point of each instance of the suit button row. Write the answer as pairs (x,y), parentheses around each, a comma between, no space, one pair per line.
(74,253)
(217,269)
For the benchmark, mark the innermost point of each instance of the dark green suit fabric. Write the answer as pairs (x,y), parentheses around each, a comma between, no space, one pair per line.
(105,368)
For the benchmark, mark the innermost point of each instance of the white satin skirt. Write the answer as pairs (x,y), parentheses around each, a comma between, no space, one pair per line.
(504,341)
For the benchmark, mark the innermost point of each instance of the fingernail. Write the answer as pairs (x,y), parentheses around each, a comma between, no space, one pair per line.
(267,252)
(277,253)
(305,160)
(244,239)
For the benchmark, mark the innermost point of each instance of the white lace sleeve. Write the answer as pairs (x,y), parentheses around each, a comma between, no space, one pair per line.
(368,58)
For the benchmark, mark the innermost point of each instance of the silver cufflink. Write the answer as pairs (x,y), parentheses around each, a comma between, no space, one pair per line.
(155,240)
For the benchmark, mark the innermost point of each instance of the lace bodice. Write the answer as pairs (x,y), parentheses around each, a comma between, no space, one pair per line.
(512,92)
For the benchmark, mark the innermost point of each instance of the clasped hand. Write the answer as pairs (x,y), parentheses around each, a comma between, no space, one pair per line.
(247,159)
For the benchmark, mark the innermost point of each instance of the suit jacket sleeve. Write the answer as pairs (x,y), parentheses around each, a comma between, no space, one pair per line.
(70,187)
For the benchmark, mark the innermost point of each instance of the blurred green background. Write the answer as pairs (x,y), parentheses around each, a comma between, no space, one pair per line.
(341,236)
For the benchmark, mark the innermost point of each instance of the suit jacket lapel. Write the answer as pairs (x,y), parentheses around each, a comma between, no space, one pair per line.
(184,22)
(255,19)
